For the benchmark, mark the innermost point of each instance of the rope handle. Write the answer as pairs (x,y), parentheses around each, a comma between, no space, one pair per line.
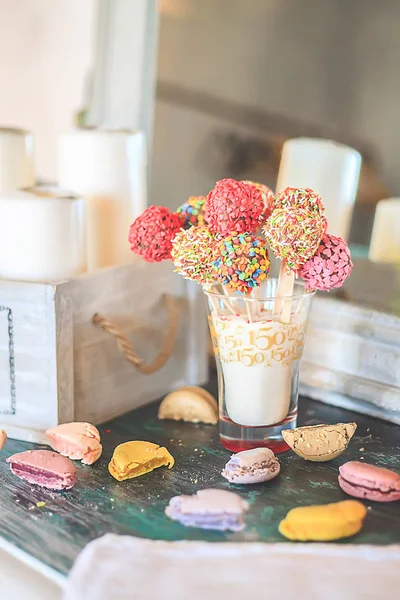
(126,347)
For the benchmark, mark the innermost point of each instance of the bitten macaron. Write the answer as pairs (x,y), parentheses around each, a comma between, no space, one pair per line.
(45,468)
(363,480)
(209,509)
(252,466)
(136,458)
(78,441)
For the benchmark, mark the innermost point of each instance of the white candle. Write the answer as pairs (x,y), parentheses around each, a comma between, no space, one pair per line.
(329,168)
(41,235)
(385,239)
(108,168)
(16,159)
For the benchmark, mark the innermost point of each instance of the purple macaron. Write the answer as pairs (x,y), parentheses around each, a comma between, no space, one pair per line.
(209,509)
(251,466)
(45,468)
(363,480)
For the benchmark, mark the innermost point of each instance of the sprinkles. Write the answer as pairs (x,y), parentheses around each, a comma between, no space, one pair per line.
(192,252)
(234,206)
(241,262)
(294,234)
(299,198)
(192,212)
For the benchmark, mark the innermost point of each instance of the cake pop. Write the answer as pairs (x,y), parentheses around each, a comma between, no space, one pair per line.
(151,234)
(241,262)
(192,252)
(294,234)
(330,266)
(192,212)
(267,196)
(234,206)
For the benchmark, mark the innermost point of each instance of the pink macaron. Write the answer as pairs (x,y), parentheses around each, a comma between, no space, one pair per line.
(370,482)
(44,468)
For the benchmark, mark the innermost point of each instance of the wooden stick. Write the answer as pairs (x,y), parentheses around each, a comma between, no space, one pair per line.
(285,288)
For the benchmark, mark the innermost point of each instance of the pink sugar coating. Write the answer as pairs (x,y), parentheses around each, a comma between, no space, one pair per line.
(234,206)
(151,234)
(330,266)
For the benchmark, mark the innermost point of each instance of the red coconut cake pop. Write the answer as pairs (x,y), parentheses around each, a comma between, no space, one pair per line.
(234,206)
(294,234)
(151,234)
(192,254)
(267,196)
(241,262)
(192,211)
(330,266)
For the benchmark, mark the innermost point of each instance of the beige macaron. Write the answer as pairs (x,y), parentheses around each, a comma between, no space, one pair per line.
(320,443)
(3,438)
(191,404)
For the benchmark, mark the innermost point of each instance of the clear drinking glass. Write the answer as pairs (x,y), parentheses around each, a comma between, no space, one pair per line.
(258,342)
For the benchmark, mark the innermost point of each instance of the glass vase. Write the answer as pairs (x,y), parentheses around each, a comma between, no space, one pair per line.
(258,342)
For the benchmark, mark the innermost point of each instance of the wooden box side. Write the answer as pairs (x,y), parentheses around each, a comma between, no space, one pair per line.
(105,384)
(30,349)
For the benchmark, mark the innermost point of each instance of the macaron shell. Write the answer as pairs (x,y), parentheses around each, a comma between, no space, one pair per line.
(325,522)
(363,480)
(3,438)
(320,443)
(191,404)
(136,458)
(78,441)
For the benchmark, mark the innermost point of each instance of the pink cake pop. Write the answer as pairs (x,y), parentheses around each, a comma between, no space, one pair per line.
(151,234)
(234,206)
(330,266)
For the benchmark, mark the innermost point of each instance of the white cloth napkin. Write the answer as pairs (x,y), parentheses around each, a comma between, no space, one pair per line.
(128,568)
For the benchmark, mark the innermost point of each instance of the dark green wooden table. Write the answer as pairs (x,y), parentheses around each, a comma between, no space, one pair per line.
(98,504)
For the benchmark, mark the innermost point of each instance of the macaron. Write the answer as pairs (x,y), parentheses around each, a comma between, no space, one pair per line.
(3,438)
(323,523)
(78,441)
(192,404)
(370,482)
(45,468)
(320,443)
(136,458)
(209,509)
(251,466)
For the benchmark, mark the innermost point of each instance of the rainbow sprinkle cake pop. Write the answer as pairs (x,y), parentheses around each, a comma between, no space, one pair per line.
(192,252)
(294,234)
(267,196)
(192,211)
(330,266)
(151,234)
(241,262)
(234,206)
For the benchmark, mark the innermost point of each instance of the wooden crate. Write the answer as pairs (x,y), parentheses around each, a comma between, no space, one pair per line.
(56,366)
(352,358)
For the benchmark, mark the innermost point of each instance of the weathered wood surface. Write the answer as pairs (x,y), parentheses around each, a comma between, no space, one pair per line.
(352,358)
(98,504)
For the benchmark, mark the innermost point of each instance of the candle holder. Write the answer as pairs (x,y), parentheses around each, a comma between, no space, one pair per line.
(257,356)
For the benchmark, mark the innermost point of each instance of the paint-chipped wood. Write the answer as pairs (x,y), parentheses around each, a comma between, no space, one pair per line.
(98,504)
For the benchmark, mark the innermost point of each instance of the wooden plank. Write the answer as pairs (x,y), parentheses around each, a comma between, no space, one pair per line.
(98,504)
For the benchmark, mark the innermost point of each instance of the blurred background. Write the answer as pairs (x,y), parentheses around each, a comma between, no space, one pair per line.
(217,85)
